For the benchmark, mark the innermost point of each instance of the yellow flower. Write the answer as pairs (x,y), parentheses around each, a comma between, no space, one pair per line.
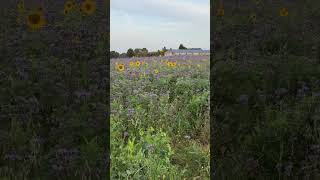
(69,5)
(168,63)
(138,63)
(88,7)
(283,12)
(36,20)
(120,67)
(220,12)
(20,6)
(156,71)
(173,64)
(131,63)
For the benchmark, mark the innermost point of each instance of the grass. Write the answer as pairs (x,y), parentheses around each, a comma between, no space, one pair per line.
(266,92)
(160,121)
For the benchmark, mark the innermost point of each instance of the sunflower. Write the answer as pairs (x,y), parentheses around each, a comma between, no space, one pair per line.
(138,63)
(131,63)
(36,20)
(69,5)
(168,63)
(156,71)
(88,7)
(283,12)
(21,7)
(220,12)
(120,67)
(173,64)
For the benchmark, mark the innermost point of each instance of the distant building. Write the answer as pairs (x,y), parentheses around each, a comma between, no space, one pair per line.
(191,51)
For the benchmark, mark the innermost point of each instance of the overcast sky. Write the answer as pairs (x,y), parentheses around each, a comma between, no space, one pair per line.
(154,24)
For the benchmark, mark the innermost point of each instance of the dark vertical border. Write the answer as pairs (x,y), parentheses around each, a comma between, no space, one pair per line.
(54,90)
(108,89)
(212,161)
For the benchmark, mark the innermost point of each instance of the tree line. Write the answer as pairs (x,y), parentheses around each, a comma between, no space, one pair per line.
(141,52)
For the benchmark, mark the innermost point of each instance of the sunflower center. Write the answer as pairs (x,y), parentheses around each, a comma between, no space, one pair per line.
(88,7)
(34,18)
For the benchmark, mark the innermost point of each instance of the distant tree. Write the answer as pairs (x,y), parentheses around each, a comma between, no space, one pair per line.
(114,54)
(123,55)
(182,47)
(164,49)
(144,52)
(137,52)
(130,52)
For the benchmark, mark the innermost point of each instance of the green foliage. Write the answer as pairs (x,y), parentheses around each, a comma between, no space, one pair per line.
(267,99)
(51,95)
(161,123)
(130,53)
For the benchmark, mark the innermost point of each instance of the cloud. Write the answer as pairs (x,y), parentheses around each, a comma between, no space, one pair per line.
(157,23)
(170,9)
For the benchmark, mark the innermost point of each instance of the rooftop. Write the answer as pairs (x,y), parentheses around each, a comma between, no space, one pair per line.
(191,50)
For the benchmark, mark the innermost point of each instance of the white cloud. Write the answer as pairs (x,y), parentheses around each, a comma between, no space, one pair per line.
(177,9)
(157,23)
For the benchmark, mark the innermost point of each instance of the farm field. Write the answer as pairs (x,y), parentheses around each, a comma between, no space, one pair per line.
(160,118)
(266,89)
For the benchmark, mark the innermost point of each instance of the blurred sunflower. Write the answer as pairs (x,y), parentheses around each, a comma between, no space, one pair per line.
(138,63)
(173,64)
(120,67)
(156,71)
(21,11)
(36,20)
(131,63)
(169,63)
(21,7)
(88,7)
(283,12)
(69,5)
(220,12)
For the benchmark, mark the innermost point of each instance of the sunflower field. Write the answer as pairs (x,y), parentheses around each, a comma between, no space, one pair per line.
(160,118)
